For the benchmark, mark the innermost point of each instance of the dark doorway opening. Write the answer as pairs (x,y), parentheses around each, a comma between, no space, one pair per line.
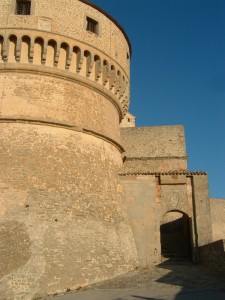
(175,235)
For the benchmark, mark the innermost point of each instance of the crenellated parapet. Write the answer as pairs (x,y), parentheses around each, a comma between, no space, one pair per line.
(37,51)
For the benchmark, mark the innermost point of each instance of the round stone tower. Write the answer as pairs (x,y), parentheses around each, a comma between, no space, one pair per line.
(64,88)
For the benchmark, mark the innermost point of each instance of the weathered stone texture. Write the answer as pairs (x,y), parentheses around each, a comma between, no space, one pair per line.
(174,197)
(69,19)
(148,201)
(43,98)
(63,93)
(66,218)
(140,196)
(140,165)
(202,209)
(155,200)
(128,120)
(157,148)
(212,256)
(154,141)
(15,246)
(61,186)
(217,207)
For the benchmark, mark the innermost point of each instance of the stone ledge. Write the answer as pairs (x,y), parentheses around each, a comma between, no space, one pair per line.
(156,157)
(187,173)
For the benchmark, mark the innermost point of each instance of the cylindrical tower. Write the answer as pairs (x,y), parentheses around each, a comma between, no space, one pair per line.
(64,87)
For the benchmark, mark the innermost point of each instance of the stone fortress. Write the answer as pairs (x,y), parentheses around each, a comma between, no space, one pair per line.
(84,194)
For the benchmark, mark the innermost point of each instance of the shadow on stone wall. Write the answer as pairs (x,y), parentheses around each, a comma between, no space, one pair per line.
(15,249)
(212,256)
(175,236)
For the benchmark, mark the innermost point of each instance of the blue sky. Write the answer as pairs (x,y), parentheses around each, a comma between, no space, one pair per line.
(178,73)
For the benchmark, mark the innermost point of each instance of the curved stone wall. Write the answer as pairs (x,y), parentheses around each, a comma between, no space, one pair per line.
(68,18)
(57,32)
(63,93)
(58,191)
(56,101)
(63,57)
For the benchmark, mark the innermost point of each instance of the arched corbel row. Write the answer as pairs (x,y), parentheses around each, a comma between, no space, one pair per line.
(37,50)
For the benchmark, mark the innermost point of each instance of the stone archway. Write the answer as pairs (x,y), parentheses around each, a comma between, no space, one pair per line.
(175,235)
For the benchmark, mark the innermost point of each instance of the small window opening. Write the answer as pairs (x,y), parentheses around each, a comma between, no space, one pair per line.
(23,7)
(128,56)
(92,25)
(128,119)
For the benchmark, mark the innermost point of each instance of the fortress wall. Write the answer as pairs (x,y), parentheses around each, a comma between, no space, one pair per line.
(155,149)
(154,141)
(37,97)
(140,197)
(63,225)
(217,207)
(153,200)
(52,55)
(148,199)
(212,256)
(63,93)
(202,209)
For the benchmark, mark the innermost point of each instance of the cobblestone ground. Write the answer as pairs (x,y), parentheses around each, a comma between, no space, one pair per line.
(168,281)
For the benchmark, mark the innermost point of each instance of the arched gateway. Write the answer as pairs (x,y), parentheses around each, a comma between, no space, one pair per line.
(175,235)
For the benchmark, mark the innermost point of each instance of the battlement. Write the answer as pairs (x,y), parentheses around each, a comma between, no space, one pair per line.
(76,41)
(62,56)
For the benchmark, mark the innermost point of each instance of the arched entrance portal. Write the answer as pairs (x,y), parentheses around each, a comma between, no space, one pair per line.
(175,235)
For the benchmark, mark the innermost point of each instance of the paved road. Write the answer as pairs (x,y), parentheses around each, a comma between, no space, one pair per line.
(168,281)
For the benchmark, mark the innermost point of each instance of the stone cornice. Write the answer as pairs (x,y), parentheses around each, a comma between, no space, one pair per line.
(187,173)
(154,158)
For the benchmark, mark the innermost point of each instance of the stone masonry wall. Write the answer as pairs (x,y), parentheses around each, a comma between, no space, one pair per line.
(217,207)
(202,209)
(63,223)
(63,93)
(213,256)
(69,19)
(155,149)
(152,198)
(35,97)
(143,210)
(148,199)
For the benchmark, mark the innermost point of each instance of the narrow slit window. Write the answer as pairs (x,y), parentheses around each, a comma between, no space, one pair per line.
(92,26)
(23,7)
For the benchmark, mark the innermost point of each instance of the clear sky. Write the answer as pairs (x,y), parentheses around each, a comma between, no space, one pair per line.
(178,73)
